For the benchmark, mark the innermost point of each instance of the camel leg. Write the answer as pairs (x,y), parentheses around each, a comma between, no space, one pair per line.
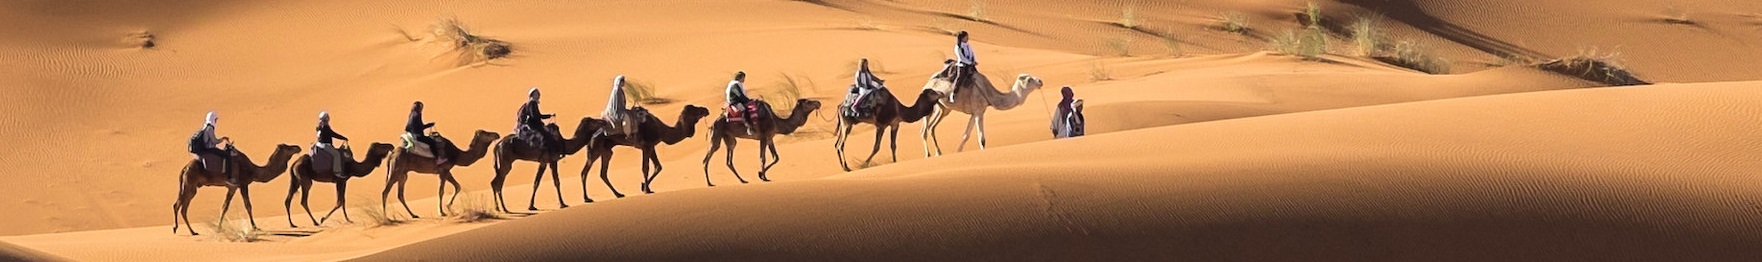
(589,167)
(605,162)
(383,194)
(730,161)
(927,132)
(227,206)
(893,141)
(843,133)
(879,131)
(557,181)
(537,181)
(496,183)
(331,212)
(441,187)
(715,144)
(250,214)
(649,156)
(288,205)
(967,133)
(183,205)
(447,176)
(763,162)
(401,201)
(981,127)
(342,200)
(305,190)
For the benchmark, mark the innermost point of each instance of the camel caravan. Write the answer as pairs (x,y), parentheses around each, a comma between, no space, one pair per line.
(536,138)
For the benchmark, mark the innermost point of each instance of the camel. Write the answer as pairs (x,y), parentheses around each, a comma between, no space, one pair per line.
(193,176)
(887,117)
(303,176)
(402,163)
(651,133)
(510,148)
(766,126)
(973,102)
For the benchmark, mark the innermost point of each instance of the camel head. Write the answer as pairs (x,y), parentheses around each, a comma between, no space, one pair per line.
(805,106)
(1027,83)
(278,163)
(693,113)
(480,142)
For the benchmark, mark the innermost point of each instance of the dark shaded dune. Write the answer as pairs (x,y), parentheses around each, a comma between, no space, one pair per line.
(10,252)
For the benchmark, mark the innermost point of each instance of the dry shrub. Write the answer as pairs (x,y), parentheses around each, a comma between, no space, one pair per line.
(1234,22)
(643,93)
(1099,72)
(1121,46)
(1602,68)
(472,48)
(474,208)
(377,217)
(1416,56)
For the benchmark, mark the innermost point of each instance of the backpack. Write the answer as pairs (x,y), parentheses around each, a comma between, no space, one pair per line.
(196,141)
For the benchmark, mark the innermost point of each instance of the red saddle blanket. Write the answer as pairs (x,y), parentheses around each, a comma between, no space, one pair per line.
(737,113)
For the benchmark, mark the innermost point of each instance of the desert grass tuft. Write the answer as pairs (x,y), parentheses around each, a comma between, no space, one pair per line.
(643,93)
(1416,56)
(1368,38)
(1234,22)
(1129,17)
(1099,72)
(976,11)
(1121,46)
(472,48)
(377,217)
(472,208)
(1173,43)
(1594,66)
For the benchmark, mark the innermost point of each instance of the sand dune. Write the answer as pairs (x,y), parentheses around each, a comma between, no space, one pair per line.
(1420,181)
(1207,146)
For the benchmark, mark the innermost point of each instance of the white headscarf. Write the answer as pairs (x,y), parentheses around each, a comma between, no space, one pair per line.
(618,82)
(532,93)
(324,116)
(212,117)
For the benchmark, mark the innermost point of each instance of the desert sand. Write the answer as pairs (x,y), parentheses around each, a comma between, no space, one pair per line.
(1204,144)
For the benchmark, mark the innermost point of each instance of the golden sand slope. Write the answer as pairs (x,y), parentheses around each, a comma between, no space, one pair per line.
(1653,173)
(89,94)
(94,123)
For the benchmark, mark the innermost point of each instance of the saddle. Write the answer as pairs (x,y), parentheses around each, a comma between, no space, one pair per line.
(413,146)
(738,113)
(632,119)
(323,159)
(861,103)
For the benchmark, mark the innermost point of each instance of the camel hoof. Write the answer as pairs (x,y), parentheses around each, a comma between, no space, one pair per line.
(765,179)
(619,195)
(531,208)
(193,233)
(588,200)
(712,185)
(563,206)
(414,217)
